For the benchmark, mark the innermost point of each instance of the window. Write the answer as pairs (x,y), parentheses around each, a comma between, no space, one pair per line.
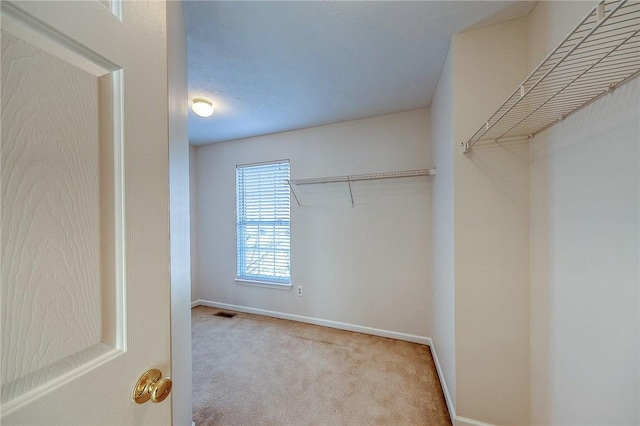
(262,196)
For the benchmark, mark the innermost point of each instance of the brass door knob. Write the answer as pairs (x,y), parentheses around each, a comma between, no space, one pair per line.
(151,386)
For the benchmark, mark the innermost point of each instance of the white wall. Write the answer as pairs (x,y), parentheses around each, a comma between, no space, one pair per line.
(366,265)
(491,240)
(584,250)
(442,304)
(193,202)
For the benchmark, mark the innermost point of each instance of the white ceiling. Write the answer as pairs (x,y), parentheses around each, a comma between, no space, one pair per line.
(275,66)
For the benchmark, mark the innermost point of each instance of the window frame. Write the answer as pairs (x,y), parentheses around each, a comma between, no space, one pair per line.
(275,221)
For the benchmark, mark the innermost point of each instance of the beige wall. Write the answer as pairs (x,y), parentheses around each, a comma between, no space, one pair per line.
(491,232)
(366,265)
(584,250)
(480,304)
(442,304)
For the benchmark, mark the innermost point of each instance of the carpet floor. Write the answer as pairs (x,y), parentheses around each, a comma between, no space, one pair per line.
(256,370)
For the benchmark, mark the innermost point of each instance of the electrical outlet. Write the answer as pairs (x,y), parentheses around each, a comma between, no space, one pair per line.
(299,290)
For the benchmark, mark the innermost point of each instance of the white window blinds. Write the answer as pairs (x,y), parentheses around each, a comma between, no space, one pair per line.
(263,203)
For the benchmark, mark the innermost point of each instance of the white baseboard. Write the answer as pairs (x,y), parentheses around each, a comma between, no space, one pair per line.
(316,321)
(455,419)
(463,421)
(443,383)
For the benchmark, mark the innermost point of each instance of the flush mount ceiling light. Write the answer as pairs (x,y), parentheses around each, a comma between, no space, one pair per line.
(202,107)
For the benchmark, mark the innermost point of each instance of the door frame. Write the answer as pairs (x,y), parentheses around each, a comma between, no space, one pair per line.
(179,215)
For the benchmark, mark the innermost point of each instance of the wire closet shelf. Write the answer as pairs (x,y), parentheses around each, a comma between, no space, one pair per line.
(355,178)
(601,53)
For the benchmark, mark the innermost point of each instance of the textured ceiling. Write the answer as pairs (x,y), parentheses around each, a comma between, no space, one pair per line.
(276,66)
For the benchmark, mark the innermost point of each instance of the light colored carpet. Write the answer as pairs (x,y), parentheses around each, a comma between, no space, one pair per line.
(255,370)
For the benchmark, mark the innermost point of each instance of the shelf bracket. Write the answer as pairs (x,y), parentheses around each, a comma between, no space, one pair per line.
(293,192)
(350,192)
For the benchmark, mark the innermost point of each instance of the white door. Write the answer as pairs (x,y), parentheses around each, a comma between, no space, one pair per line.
(84,194)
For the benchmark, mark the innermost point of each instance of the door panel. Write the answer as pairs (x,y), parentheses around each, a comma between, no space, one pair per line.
(85,269)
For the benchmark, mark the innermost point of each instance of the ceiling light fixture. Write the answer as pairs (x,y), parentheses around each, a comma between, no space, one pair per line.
(202,107)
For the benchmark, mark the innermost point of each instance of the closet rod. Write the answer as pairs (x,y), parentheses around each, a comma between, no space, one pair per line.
(366,176)
(356,178)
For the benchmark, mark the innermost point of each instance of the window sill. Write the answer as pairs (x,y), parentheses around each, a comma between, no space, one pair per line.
(266,284)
